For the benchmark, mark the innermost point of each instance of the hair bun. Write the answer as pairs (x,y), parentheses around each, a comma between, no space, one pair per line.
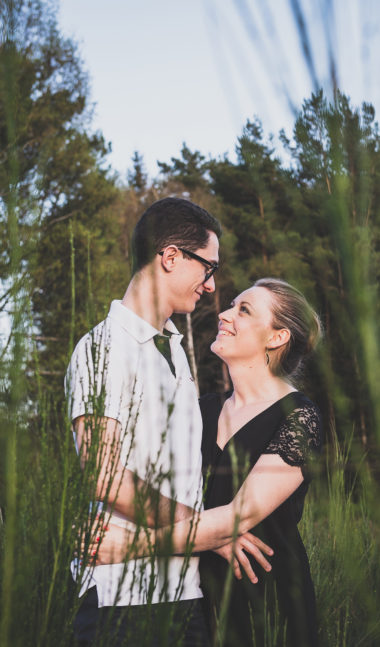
(291,310)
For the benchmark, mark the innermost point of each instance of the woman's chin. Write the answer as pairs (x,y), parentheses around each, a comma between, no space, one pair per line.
(217,347)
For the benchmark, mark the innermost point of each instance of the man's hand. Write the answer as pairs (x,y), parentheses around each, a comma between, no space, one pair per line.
(112,544)
(235,553)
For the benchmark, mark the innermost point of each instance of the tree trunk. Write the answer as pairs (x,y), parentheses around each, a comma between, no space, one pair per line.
(190,349)
(225,373)
(264,243)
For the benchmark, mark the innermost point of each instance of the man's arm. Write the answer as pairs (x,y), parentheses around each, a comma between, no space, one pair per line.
(118,486)
(132,497)
(270,482)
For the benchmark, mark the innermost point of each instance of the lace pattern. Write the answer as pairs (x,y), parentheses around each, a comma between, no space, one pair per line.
(299,436)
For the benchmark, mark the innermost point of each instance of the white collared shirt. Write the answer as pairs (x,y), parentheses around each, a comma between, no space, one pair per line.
(161,427)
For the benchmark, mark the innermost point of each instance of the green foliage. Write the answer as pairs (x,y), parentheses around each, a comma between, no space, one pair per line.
(341,536)
(190,169)
(137,178)
(56,171)
(65,231)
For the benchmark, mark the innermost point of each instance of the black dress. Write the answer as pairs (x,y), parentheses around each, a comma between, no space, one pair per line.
(280,609)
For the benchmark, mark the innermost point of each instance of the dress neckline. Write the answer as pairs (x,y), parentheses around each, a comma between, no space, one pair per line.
(221,449)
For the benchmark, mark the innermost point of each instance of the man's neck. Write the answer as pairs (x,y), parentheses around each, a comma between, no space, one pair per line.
(144,296)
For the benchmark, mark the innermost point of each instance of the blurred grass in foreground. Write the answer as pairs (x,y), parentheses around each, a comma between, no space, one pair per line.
(42,490)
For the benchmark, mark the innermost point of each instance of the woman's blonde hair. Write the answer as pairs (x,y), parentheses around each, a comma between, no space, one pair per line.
(291,310)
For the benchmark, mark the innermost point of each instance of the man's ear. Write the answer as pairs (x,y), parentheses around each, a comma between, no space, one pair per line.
(278,338)
(169,257)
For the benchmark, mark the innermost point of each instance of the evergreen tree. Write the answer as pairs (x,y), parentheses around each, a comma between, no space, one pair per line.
(57,172)
(336,156)
(190,169)
(257,211)
(137,177)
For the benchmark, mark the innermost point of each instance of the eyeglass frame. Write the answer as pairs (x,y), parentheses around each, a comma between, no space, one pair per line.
(211,264)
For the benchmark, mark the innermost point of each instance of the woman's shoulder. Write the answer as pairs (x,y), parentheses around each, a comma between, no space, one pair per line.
(302,422)
(296,403)
(298,439)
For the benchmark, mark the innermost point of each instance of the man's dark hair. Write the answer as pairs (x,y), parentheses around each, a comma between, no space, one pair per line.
(171,221)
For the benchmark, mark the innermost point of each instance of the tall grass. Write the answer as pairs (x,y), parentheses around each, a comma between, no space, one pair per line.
(45,495)
(46,510)
(40,600)
(341,536)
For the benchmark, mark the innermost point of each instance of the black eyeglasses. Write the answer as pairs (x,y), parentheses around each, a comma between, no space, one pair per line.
(212,267)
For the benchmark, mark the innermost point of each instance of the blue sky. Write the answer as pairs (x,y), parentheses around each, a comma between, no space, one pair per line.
(167,71)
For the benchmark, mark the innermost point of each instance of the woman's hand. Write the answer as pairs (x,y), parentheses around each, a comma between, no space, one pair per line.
(235,554)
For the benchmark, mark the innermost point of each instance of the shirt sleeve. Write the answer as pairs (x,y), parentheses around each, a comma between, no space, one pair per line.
(95,380)
(299,440)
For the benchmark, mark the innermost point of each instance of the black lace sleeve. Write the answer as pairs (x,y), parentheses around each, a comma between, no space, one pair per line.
(298,440)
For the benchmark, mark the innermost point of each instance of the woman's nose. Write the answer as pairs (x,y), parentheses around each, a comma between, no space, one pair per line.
(226,315)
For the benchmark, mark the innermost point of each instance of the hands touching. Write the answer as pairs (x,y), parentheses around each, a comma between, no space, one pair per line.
(112,544)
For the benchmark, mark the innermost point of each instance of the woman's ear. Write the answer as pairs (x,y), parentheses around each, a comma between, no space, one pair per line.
(169,257)
(278,338)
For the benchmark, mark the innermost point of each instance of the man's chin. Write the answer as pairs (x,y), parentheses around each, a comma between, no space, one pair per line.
(185,310)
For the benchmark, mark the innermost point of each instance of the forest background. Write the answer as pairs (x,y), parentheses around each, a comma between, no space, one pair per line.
(65,224)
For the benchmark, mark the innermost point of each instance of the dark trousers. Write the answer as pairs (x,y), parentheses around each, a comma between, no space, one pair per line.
(170,624)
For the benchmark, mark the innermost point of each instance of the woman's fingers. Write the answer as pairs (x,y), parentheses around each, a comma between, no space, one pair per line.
(245,564)
(236,567)
(257,542)
(257,554)
(255,550)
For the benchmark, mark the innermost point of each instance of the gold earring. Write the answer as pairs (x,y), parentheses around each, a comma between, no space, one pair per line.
(266,357)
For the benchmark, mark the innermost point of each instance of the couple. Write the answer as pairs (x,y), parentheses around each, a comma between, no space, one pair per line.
(129,384)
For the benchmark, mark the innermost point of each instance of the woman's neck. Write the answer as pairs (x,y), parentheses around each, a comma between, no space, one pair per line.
(255,385)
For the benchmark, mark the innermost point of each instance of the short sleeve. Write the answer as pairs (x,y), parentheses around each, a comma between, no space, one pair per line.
(95,378)
(299,438)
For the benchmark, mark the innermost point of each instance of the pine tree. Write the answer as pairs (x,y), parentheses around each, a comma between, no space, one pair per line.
(336,156)
(55,170)
(191,169)
(137,177)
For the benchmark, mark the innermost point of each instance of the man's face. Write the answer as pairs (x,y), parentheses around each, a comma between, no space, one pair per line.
(189,279)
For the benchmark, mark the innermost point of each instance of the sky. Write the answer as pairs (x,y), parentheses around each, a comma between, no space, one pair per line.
(164,72)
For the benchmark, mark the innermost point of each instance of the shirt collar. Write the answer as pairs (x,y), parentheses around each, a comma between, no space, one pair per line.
(140,329)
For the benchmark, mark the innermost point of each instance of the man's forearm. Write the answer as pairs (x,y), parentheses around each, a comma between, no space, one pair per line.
(136,500)
(118,486)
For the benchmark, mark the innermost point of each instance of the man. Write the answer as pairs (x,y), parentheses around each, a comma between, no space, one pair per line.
(141,400)
(136,416)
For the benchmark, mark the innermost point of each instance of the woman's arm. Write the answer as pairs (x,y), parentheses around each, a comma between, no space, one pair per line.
(270,482)
(267,486)
(117,544)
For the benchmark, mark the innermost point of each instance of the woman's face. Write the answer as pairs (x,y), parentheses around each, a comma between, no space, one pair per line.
(246,327)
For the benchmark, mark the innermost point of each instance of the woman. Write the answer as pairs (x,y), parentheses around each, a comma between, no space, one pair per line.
(257,444)
(264,337)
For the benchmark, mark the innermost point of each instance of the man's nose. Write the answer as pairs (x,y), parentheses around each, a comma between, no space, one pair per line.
(209,285)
